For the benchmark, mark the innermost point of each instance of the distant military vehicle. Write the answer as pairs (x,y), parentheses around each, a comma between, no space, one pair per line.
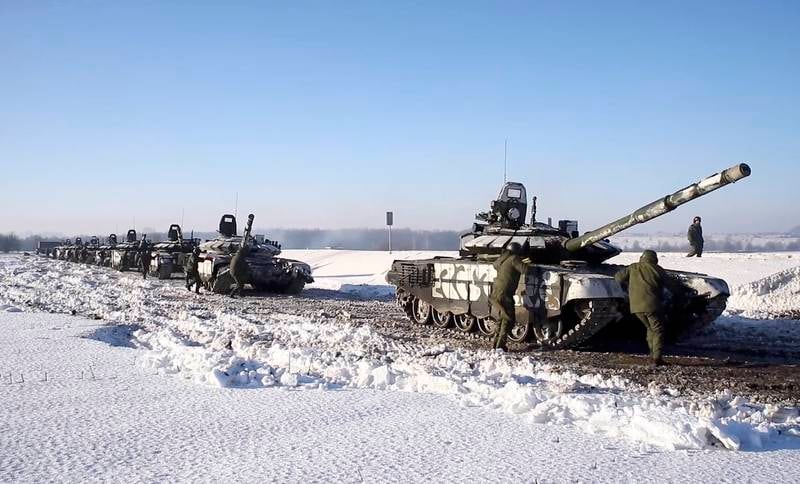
(569,293)
(46,248)
(103,253)
(267,272)
(169,256)
(124,256)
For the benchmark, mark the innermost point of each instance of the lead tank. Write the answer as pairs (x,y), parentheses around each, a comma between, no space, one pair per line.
(267,272)
(569,294)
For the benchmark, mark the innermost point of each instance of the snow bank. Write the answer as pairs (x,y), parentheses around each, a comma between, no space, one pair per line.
(777,294)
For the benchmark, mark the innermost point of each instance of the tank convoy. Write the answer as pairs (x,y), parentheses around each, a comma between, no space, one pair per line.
(569,293)
(267,271)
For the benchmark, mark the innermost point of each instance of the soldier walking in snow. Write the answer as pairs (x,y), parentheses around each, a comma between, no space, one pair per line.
(192,272)
(510,266)
(695,236)
(646,281)
(239,270)
(144,257)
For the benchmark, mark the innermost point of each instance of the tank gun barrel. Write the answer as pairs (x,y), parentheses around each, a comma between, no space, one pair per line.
(661,206)
(248,228)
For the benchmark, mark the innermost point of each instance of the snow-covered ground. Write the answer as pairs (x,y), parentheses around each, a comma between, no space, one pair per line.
(278,396)
(76,408)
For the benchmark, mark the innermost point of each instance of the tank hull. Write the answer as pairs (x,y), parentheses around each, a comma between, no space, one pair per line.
(558,306)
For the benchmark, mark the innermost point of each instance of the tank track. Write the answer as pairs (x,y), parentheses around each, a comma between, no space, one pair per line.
(596,316)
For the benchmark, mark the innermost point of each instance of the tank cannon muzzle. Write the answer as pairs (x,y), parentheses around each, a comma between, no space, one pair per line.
(661,206)
(248,228)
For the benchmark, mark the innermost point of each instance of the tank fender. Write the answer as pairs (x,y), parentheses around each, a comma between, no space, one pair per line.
(709,287)
(590,286)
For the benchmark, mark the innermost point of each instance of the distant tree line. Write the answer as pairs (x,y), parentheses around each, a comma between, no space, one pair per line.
(727,244)
(409,239)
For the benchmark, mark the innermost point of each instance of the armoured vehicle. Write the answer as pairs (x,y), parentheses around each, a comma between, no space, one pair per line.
(267,272)
(569,293)
(125,255)
(60,252)
(46,248)
(170,255)
(103,253)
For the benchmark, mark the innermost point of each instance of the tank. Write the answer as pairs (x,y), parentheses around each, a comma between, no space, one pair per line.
(103,254)
(61,251)
(267,271)
(88,252)
(569,293)
(124,255)
(169,256)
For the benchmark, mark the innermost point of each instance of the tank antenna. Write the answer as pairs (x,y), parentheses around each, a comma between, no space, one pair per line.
(236,205)
(505,160)
(183,212)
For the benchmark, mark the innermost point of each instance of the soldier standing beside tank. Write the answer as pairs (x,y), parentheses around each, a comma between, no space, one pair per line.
(510,266)
(144,257)
(646,281)
(192,272)
(239,270)
(695,236)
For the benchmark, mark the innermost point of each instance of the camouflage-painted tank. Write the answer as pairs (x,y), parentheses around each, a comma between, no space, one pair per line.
(60,252)
(267,272)
(569,294)
(125,255)
(169,256)
(103,254)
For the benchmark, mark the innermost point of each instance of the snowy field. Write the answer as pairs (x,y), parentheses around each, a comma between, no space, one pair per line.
(174,386)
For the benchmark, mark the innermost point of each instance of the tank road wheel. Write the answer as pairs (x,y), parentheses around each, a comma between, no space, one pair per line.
(549,332)
(442,320)
(488,326)
(465,323)
(520,332)
(422,311)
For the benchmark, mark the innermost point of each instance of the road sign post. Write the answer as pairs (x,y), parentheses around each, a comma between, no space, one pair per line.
(389,223)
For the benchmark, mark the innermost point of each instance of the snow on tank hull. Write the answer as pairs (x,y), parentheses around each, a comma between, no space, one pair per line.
(559,306)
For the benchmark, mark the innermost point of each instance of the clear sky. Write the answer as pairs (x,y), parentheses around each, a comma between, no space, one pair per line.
(327,114)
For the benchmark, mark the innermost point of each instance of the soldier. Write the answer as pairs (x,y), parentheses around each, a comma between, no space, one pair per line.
(239,270)
(192,272)
(695,236)
(510,266)
(646,281)
(144,257)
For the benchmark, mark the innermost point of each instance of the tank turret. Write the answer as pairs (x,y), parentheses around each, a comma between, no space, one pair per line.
(504,224)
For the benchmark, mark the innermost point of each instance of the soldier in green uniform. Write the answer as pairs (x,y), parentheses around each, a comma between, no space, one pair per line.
(646,281)
(192,272)
(695,236)
(510,266)
(239,270)
(144,257)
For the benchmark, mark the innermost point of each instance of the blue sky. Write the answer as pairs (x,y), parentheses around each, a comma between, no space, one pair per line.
(327,114)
